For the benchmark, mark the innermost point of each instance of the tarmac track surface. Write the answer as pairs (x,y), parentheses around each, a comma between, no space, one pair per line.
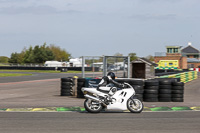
(73,122)
(35,76)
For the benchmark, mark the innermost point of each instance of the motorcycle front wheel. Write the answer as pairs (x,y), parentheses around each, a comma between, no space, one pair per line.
(135,105)
(92,106)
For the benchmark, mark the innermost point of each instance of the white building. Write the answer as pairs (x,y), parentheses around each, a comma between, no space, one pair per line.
(55,64)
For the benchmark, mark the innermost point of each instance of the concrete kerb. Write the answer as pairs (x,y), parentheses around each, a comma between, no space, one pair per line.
(80,109)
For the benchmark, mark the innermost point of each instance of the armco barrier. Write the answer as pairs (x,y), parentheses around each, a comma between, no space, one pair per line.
(185,76)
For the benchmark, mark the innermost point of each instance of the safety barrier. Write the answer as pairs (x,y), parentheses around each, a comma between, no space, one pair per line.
(185,76)
(195,69)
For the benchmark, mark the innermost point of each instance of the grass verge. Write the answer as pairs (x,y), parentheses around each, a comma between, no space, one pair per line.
(13,74)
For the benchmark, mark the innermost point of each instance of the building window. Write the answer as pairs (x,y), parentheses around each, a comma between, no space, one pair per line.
(176,50)
(167,50)
(170,50)
(196,56)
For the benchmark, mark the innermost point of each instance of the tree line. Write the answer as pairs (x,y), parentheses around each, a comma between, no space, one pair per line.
(38,54)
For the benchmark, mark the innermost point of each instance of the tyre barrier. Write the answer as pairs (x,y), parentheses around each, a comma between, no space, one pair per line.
(153,90)
(177,91)
(165,90)
(81,83)
(66,86)
(184,77)
(169,90)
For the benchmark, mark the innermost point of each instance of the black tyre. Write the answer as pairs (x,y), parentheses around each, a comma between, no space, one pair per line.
(79,88)
(67,84)
(67,80)
(176,79)
(135,105)
(177,87)
(178,84)
(148,91)
(165,82)
(164,99)
(165,87)
(92,106)
(66,87)
(139,91)
(136,82)
(177,95)
(65,94)
(147,96)
(151,83)
(165,91)
(164,96)
(65,91)
(150,100)
(139,96)
(80,94)
(152,87)
(177,92)
(81,79)
(177,100)
(81,84)
(138,87)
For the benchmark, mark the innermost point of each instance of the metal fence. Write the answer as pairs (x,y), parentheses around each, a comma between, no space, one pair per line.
(104,64)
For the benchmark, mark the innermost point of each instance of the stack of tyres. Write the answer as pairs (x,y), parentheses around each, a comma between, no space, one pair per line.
(165,90)
(177,91)
(138,86)
(81,83)
(66,86)
(151,91)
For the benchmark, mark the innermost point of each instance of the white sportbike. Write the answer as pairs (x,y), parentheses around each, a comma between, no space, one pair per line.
(110,98)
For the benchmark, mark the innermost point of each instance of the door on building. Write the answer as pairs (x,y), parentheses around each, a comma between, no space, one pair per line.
(138,70)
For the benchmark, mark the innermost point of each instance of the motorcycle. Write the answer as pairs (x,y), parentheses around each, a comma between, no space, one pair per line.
(111,98)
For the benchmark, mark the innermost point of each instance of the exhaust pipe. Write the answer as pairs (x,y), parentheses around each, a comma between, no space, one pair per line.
(93,98)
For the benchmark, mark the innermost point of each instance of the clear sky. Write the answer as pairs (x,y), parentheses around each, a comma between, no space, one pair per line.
(99,27)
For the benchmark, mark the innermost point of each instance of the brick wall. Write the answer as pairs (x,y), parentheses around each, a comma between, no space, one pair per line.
(184,63)
(173,54)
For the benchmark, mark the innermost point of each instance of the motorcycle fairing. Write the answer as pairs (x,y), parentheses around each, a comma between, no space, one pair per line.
(120,99)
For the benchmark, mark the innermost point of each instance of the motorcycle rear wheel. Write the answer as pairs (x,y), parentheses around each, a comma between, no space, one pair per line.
(92,106)
(135,105)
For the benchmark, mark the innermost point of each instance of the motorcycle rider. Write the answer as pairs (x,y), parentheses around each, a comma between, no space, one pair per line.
(110,78)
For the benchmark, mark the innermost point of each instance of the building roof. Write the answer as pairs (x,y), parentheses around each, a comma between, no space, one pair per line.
(190,49)
(144,60)
(193,60)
